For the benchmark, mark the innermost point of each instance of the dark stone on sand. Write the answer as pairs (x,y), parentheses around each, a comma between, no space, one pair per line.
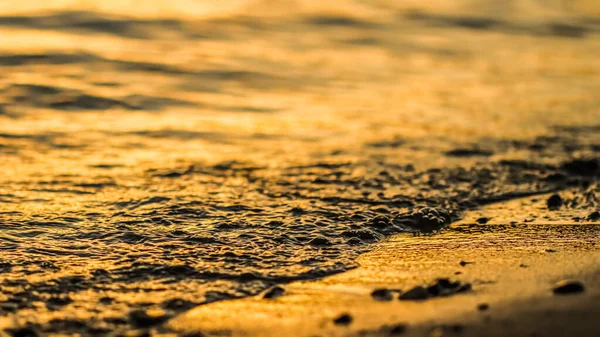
(415,294)
(441,287)
(444,283)
(483,307)
(23,332)
(568,287)
(434,290)
(344,319)
(382,295)
(464,288)
(445,287)
(550,251)
(464,263)
(482,220)
(554,202)
(273,292)
(397,329)
(320,241)
(522,265)
(145,319)
(594,216)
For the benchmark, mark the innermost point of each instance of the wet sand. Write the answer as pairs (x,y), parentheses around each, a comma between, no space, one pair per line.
(512,269)
(160,156)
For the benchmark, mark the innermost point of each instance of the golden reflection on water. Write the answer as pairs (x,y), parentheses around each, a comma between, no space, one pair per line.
(173,157)
(134,7)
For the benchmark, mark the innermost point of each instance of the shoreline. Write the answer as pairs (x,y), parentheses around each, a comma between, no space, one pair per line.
(158,165)
(513,274)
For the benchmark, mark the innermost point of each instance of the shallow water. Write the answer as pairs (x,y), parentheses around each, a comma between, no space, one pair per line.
(155,151)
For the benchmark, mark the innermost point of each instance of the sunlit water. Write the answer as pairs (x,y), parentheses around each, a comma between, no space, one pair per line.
(197,150)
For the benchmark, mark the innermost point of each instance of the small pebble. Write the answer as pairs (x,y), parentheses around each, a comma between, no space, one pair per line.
(445,283)
(464,263)
(397,329)
(443,287)
(483,307)
(344,319)
(416,293)
(568,287)
(464,288)
(382,295)
(554,202)
(482,220)
(594,216)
